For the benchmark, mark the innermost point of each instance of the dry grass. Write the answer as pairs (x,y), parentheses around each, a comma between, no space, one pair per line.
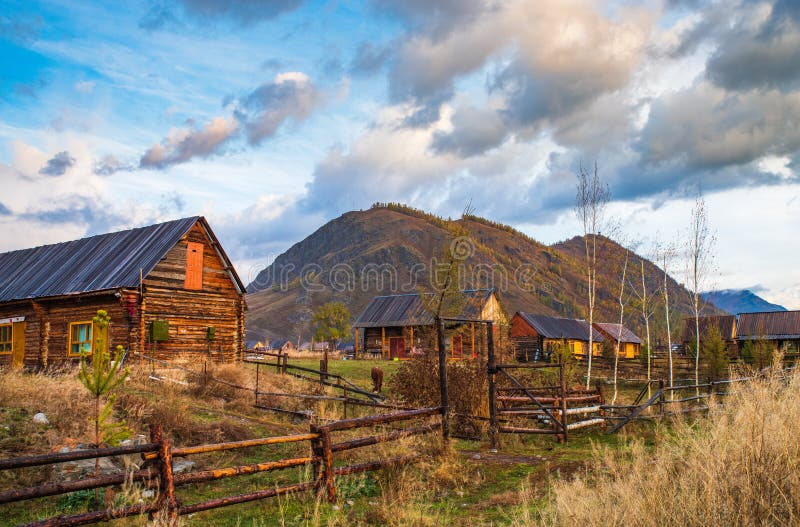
(61,397)
(739,467)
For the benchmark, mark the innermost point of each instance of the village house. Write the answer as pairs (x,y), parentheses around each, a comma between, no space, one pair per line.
(536,337)
(630,345)
(282,345)
(168,288)
(399,326)
(724,325)
(780,328)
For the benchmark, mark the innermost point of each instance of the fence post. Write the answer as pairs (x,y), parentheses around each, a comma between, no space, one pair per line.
(316,454)
(491,370)
(710,393)
(444,400)
(563,382)
(167,498)
(661,398)
(345,402)
(327,458)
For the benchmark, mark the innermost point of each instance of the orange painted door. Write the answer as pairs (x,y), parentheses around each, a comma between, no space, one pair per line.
(194,266)
(397,347)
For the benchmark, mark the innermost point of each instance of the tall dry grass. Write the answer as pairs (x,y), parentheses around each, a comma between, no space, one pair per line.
(741,466)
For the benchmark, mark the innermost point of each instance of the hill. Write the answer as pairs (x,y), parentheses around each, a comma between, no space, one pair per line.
(740,301)
(395,249)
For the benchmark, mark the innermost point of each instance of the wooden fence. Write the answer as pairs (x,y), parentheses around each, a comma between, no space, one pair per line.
(158,454)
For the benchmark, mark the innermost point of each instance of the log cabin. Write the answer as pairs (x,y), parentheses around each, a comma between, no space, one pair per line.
(630,345)
(780,329)
(400,326)
(724,325)
(169,288)
(536,337)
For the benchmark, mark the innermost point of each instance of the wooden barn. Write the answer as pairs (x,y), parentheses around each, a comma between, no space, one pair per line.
(169,288)
(630,344)
(779,328)
(399,326)
(536,337)
(724,325)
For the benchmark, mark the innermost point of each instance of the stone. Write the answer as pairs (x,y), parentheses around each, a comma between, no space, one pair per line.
(179,466)
(41,419)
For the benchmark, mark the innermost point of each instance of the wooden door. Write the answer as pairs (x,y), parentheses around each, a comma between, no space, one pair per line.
(457,347)
(18,345)
(194,266)
(397,347)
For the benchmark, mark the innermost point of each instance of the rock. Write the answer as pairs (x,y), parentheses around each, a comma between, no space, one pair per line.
(476,456)
(179,466)
(149,494)
(335,507)
(41,419)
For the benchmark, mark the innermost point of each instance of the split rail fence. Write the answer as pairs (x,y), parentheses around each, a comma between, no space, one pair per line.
(157,470)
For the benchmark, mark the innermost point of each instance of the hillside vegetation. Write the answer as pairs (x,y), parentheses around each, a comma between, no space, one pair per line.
(401,245)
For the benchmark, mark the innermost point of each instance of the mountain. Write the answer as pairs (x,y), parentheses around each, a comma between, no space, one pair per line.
(392,248)
(740,301)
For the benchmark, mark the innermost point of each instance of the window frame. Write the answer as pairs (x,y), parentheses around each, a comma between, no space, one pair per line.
(10,340)
(91,338)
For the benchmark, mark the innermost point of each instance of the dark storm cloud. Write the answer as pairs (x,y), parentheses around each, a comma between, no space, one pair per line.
(58,164)
(474,132)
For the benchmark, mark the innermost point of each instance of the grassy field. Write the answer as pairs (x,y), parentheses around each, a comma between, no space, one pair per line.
(530,481)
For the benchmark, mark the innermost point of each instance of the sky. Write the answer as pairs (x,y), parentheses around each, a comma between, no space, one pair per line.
(271,117)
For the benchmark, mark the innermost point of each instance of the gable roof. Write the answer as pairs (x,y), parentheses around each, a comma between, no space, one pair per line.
(724,324)
(98,263)
(769,325)
(560,328)
(410,310)
(611,330)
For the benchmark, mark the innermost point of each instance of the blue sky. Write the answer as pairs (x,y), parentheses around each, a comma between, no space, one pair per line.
(272,117)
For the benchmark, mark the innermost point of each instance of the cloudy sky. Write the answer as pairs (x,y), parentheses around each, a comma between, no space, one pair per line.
(271,117)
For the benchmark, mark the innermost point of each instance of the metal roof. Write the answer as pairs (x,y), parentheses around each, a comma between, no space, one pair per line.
(612,330)
(724,324)
(776,325)
(561,328)
(97,263)
(410,310)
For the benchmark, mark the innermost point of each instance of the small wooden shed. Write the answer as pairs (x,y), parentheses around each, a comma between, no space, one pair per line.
(169,288)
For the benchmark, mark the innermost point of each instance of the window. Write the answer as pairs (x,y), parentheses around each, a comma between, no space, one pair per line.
(80,338)
(194,266)
(6,343)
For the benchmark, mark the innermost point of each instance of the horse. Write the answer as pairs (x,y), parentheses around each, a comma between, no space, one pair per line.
(377,379)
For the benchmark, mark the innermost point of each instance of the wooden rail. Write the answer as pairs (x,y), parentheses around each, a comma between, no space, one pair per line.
(156,472)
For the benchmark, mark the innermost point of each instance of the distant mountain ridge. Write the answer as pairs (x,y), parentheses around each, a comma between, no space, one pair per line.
(393,248)
(737,301)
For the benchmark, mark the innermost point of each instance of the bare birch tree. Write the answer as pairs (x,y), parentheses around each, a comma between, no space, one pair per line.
(666,254)
(647,309)
(590,202)
(621,301)
(699,267)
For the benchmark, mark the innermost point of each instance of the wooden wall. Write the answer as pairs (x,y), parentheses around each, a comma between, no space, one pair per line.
(190,312)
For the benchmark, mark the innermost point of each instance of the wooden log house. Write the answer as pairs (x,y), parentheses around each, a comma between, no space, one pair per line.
(399,326)
(169,288)
(536,337)
(630,345)
(724,325)
(779,329)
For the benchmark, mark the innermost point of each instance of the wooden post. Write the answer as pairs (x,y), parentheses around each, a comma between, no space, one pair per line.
(491,369)
(355,345)
(316,454)
(563,383)
(345,402)
(256,393)
(661,398)
(327,459)
(383,343)
(443,398)
(167,497)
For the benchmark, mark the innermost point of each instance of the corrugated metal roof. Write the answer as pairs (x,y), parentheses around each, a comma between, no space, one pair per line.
(775,325)
(409,309)
(97,263)
(612,330)
(561,328)
(724,324)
